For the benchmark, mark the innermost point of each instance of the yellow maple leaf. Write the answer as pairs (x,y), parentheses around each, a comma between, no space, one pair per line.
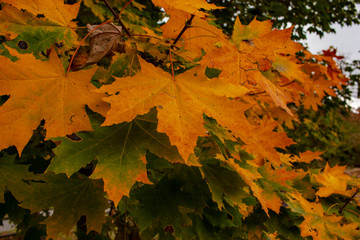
(41,90)
(319,225)
(189,6)
(53,10)
(248,33)
(333,180)
(199,36)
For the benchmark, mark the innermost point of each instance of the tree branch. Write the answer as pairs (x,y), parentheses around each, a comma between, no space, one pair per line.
(187,25)
(116,17)
(348,201)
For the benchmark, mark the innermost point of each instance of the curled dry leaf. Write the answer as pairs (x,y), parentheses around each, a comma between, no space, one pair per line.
(103,41)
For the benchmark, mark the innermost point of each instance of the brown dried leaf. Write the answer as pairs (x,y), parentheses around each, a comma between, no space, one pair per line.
(103,41)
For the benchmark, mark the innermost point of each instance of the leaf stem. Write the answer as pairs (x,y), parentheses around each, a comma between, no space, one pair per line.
(187,25)
(348,201)
(116,17)
(172,65)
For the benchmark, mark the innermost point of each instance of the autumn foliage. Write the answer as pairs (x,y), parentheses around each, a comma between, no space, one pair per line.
(177,124)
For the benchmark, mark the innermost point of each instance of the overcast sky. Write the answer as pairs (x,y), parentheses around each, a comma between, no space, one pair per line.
(347,42)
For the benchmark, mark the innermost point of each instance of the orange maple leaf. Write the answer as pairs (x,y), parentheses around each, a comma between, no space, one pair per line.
(255,48)
(307,157)
(181,102)
(41,90)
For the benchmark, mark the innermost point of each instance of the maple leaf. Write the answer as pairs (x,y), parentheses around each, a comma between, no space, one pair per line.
(181,102)
(254,30)
(40,192)
(267,199)
(283,176)
(307,156)
(188,6)
(120,151)
(103,41)
(12,176)
(54,10)
(177,195)
(198,37)
(70,197)
(41,90)
(319,225)
(289,68)
(242,63)
(39,33)
(259,144)
(97,9)
(226,185)
(333,180)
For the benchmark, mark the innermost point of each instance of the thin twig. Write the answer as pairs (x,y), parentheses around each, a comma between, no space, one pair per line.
(116,17)
(187,25)
(287,84)
(125,6)
(146,36)
(82,41)
(253,94)
(348,201)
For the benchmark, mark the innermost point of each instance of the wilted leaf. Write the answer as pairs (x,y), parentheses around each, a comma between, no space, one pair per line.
(103,41)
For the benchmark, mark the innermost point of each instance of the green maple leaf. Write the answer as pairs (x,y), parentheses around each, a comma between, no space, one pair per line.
(120,151)
(169,203)
(70,197)
(225,184)
(12,176)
